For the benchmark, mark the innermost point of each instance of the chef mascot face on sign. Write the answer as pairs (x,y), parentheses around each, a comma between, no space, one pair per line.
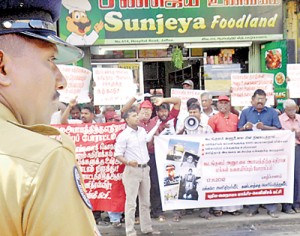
(79,24)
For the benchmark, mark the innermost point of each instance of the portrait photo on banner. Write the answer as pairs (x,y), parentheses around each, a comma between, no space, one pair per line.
(182,172)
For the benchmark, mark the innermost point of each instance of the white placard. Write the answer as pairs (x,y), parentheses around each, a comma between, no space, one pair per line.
(293,81)
(78,83)
(244,85)
(113,86)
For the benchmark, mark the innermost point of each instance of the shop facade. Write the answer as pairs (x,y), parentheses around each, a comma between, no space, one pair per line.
(165,42)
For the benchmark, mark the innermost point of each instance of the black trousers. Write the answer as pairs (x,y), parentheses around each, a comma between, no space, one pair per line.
(296,204)
(155,199)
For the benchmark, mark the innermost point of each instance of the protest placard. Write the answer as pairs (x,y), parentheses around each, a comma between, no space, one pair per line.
(184,95)
(102,173)
(113,86)
(293,81)
(224,169)
(244,85)
(78,81)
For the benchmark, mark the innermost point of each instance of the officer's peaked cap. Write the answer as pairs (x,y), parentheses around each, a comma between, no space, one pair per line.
(37,19)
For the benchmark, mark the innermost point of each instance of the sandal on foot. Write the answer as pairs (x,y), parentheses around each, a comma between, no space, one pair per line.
(137,221)
(217,213)
(176,218)
(161,218)
(205,215)
(235,213)
(116,224)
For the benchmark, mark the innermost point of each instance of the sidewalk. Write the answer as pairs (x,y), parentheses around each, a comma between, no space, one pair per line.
(227,225)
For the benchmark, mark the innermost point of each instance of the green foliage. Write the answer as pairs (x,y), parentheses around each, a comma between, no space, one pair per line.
(177,58)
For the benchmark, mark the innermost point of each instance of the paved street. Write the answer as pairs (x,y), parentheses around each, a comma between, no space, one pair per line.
(227,225)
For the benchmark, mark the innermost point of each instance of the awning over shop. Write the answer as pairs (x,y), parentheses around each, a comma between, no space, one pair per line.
(99,49)
(218,45)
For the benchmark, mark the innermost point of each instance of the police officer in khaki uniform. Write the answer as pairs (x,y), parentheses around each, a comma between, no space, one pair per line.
(41,188)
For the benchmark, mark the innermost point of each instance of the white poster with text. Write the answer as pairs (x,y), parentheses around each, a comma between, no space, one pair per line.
(293,81)
(78,83)
(113,86)
(244,85)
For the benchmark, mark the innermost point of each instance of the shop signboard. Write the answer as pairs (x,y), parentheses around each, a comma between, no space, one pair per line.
(273,57)
(100,22)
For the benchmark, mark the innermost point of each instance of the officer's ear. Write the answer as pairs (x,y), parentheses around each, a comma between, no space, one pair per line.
(4,80)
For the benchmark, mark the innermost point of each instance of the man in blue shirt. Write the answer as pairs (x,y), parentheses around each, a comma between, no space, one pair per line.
(259,117)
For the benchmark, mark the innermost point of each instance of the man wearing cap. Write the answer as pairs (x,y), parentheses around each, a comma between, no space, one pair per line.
(224,121)
(291,121)
(112,116)
(188,84)
(41,187)
(259,117)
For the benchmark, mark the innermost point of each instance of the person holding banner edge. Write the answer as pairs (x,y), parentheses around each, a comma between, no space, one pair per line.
(259,117)
(291,121)
(40,179)
(224,121)
(194,110)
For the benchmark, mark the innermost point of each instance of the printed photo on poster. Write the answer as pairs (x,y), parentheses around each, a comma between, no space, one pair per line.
(171,175)
(190,160)
(179,148)
(171,193)
(188,188)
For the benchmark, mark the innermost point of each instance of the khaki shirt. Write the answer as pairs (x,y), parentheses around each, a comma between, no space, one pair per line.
(38,191)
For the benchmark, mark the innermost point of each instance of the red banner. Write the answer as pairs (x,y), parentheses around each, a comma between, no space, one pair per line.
(102,172)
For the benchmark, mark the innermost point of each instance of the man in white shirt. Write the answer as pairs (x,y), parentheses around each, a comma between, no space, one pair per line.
(207,110)
(202,128)
(131,149)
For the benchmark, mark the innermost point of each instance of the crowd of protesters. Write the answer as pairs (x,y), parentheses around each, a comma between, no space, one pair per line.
(155,117)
